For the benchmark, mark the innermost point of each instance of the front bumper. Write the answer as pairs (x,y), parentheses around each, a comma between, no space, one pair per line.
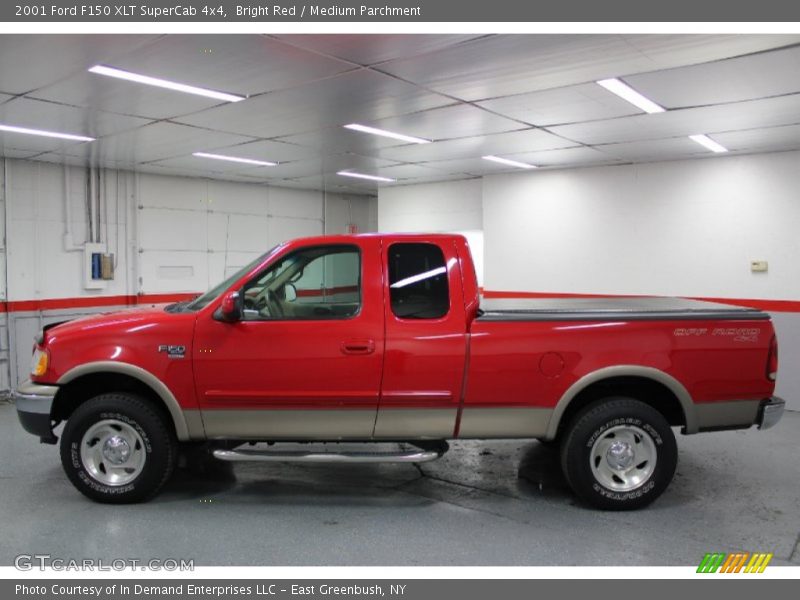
(770,412)
(34,403)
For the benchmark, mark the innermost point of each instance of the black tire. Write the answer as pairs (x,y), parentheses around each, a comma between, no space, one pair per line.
(154,444)
(601,423)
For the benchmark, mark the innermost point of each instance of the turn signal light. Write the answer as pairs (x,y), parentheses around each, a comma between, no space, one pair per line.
(39,362)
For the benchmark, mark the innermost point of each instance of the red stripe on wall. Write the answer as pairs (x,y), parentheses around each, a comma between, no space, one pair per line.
(90,302)
(760,304)
(313,293)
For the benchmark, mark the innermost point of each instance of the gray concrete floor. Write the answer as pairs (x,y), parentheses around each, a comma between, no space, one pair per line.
(487,503)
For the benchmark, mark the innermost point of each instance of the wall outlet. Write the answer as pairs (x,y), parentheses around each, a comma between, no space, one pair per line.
(759,266)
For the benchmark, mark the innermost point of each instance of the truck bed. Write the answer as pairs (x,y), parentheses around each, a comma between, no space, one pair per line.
(603,309)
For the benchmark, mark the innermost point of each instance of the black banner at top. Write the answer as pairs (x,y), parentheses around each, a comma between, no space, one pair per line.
(409,11)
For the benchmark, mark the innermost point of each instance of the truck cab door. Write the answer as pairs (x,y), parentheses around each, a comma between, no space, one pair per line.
(426,340)
(305,360)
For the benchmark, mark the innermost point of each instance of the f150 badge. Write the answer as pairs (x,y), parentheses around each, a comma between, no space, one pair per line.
(173,351)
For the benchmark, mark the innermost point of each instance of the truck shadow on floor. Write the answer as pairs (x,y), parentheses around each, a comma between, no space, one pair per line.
(524,470)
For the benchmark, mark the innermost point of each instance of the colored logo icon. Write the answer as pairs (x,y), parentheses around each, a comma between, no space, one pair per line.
(738,562)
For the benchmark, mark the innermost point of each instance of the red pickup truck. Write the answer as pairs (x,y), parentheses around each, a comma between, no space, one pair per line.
(383,338)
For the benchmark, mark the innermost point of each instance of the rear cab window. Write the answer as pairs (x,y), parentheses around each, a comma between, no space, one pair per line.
(418,287)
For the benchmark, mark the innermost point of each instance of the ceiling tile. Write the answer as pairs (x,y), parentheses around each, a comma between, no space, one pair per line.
(456,121)
(502,143)
(745,78)
(36,114)
(670,51)
(762,140)
(268,150)
(154,142)
(28,62)
(357,96)
(333,183)
(783,110)
(564,157)
(434,179)
(98,92)
(372,49)
(207,166)
(406,171)
(337,139)
(239,64)
(665,149)
(474,166)
(328,165)
(512,64)
(571,104)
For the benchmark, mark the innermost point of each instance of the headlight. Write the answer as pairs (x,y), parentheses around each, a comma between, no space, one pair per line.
(39,362)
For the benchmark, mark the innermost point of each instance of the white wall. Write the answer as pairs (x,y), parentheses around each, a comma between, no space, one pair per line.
(683,228)
(168,235)
(447,206)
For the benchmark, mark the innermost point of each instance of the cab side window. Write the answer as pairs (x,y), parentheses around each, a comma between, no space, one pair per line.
(311,284)
(418,287)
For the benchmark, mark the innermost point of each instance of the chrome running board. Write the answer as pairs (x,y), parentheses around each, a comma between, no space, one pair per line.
(411,456)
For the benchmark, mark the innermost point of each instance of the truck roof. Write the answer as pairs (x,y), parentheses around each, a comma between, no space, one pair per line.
(350,237)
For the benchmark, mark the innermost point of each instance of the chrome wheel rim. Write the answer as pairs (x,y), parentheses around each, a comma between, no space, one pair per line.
(623,458)
(112,452)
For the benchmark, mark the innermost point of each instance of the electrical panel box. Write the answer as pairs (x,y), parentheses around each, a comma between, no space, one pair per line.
(759,266)
(98,267)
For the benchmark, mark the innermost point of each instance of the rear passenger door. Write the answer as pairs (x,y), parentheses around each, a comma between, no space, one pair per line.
(426,344)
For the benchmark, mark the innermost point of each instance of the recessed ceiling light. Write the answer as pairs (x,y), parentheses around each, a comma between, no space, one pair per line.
(236,159)
(164,83)
(707,142)
(390,134)
(510,163)
(363,176)
(624,91)
(44,133)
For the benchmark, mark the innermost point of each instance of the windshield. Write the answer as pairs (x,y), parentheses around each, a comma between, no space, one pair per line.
(204,300)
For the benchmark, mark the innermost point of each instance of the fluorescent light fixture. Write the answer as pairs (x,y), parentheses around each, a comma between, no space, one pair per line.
(419,277)
(390,134)
(164,83)
(363,176)
(624,91)
(510,163)
(43,133)
(236,159)
(707,142)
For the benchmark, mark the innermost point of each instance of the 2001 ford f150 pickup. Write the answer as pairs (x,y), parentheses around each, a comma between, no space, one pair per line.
(383,338)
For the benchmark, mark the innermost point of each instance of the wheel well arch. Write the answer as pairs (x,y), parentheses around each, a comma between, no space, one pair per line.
(85,382)
(651,386)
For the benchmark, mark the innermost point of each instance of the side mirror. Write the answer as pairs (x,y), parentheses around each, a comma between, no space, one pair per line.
(230,311)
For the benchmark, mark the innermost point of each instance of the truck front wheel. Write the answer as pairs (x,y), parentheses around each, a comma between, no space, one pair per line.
(619,454)
(118,448)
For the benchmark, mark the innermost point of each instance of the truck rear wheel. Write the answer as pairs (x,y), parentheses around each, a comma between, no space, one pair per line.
(619,454)
(118,448)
